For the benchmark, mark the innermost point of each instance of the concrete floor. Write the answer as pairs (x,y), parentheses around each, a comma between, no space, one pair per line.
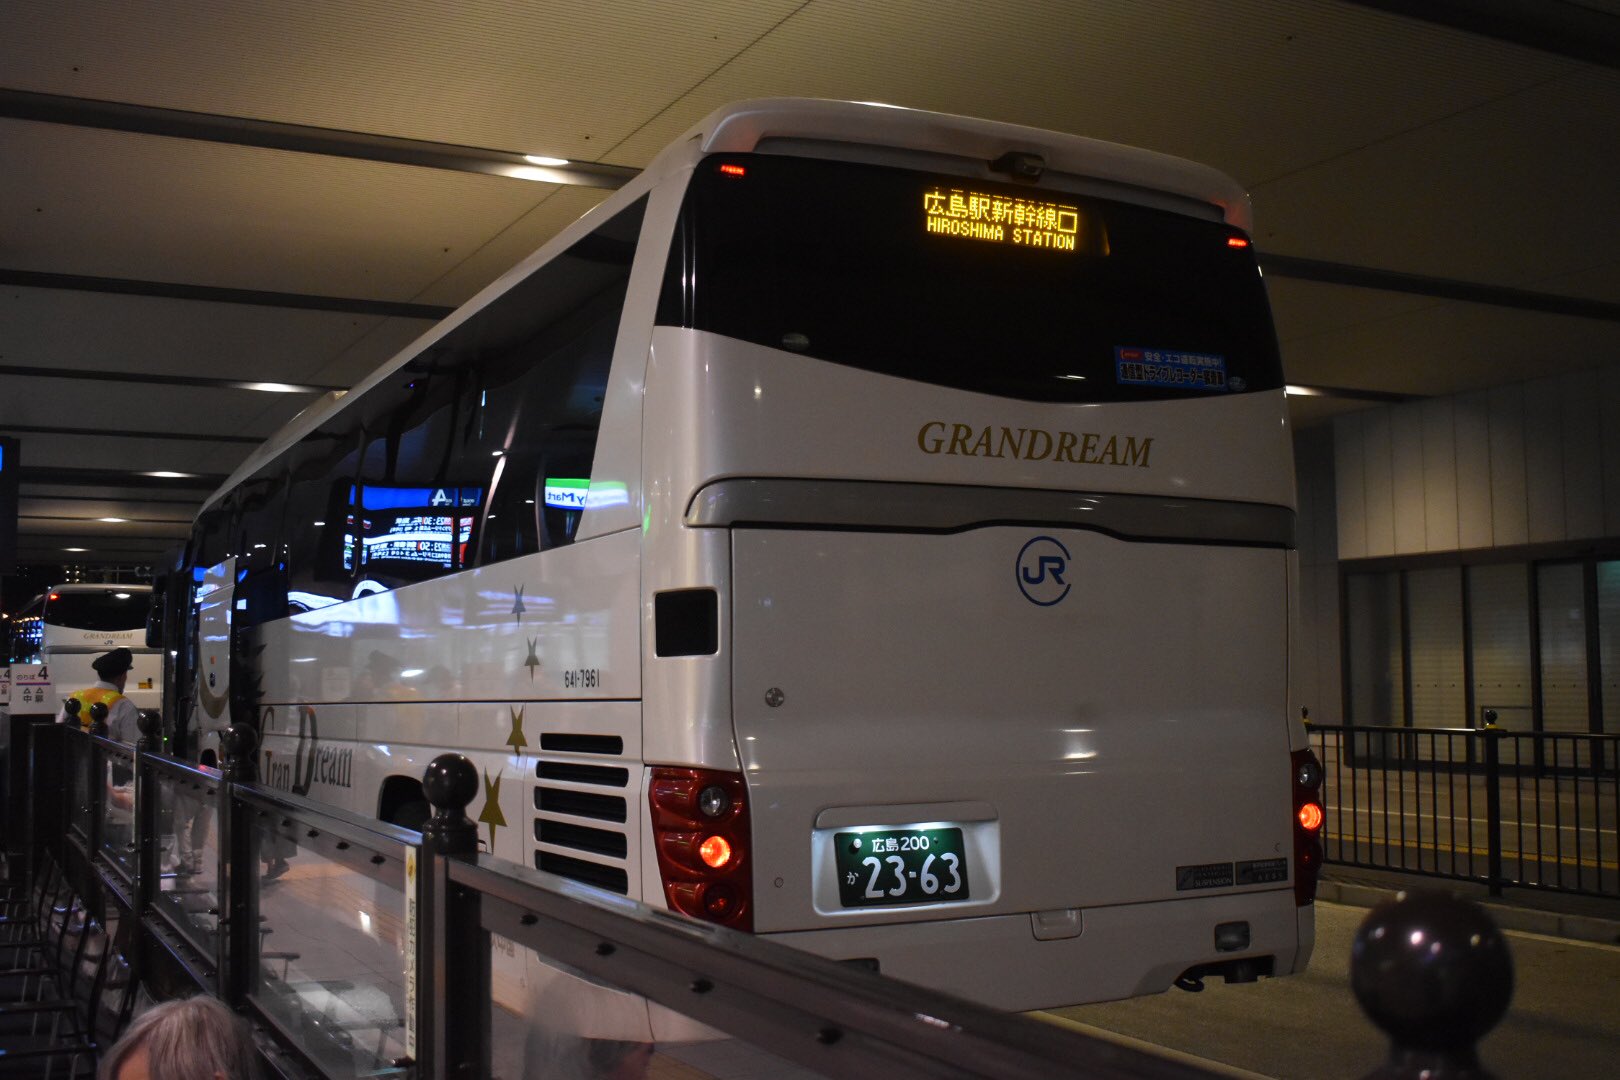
(1563,1021)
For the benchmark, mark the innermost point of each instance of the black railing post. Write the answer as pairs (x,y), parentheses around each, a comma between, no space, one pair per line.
(237,870)
(147,854)
(1434,973)
(1493,801)
(452,986)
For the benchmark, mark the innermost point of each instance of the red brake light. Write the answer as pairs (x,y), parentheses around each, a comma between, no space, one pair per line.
(54,596)
(1309,817)
(701,840)
(1237,241)
(733,170)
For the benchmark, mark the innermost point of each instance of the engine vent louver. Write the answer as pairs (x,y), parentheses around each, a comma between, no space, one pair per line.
(570,788)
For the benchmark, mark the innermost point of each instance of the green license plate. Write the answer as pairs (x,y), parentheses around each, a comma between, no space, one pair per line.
(900,866)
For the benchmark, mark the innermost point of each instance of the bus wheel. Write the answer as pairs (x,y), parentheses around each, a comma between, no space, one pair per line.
(412,815)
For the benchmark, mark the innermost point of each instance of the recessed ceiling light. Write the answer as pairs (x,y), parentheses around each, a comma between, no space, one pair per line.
(275,387)
(166,474)
(549,162)
(75,549)
(113,521)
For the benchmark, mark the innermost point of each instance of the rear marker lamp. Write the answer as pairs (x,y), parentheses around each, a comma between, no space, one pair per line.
(716,853)
(733,170)
(701,838)
(1309,817)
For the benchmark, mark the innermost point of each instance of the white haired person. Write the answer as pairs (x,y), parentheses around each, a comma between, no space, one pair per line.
(190,1039)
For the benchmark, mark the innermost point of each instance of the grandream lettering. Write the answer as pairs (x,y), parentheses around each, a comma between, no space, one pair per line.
(1034,444)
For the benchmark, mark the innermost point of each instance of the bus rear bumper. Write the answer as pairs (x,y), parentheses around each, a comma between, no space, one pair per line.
(1122,951)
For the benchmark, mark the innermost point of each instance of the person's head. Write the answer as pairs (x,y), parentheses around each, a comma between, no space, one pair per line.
(114,666)
(190,1039)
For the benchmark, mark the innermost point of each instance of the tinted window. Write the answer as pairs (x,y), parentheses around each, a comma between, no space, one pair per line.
(483,443)
(1019,291)
(111,610)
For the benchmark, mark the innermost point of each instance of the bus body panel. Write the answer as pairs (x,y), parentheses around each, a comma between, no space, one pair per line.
(388,681)
(560,624)
(1080,746)
(791,416)
(1121,951)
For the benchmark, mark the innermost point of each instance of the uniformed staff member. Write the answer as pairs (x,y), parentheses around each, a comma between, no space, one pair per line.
(113,671)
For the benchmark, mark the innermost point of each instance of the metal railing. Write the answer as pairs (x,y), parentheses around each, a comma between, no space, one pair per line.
(1524,809)
(361,949)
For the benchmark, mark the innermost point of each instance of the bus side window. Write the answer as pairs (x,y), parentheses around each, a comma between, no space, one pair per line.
(319,568)
(537,401)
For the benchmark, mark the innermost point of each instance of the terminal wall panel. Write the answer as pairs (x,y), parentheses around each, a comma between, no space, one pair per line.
(1471,418)
(1377,447)
(1609,433)
(1350,482)
(1544,460)
(1510,507)
(1407,476)
(1440,516)
(1581,415)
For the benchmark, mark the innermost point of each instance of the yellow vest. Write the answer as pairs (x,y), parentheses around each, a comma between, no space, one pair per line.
(91,696)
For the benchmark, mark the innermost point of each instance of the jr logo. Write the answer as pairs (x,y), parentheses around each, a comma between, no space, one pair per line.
(1042,571)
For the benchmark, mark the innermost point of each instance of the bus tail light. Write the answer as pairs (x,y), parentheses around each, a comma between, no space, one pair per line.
(1309,816)
(701,836)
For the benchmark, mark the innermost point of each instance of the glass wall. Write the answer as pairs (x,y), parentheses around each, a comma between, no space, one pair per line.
(1536,643)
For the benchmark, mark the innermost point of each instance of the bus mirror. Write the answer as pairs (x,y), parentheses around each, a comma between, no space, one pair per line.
(154,627)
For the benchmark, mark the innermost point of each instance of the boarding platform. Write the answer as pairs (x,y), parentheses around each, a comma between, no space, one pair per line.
(358,949)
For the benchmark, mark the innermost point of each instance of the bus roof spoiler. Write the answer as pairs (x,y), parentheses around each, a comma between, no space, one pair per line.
(741,128)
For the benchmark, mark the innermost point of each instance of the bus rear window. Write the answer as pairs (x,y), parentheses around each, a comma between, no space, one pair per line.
(107,611)
(1018,291)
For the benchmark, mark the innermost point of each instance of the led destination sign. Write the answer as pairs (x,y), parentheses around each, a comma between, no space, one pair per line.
(1004,219)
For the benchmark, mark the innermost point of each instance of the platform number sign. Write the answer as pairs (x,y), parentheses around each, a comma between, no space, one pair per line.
(9,472)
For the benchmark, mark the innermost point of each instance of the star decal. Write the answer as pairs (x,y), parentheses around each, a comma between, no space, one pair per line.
(491,813)
(533,662)
(517,603)
(516,740)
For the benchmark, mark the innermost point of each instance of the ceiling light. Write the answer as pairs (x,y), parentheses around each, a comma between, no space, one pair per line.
(549,162)
(75,549)
(277,388)
(113,521)
(166,474)
(1302,391)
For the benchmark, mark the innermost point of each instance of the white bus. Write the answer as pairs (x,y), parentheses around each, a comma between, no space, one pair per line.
(868,528)
(52,642)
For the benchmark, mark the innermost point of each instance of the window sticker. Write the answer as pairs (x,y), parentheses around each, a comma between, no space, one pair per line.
(1176,370)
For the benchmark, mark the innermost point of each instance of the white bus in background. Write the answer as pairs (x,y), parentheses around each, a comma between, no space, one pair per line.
(52,642)
(868,528)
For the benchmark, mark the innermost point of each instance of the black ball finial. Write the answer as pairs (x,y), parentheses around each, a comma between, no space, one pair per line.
(450,782)
(150,722)
(98,712)
(236,744)
(1434,973)
(72,706)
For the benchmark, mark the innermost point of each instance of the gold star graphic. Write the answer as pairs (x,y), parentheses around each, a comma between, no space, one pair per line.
(491,813)
(516,740)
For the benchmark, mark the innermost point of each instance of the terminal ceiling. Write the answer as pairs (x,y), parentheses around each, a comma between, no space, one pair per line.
(1435,197)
